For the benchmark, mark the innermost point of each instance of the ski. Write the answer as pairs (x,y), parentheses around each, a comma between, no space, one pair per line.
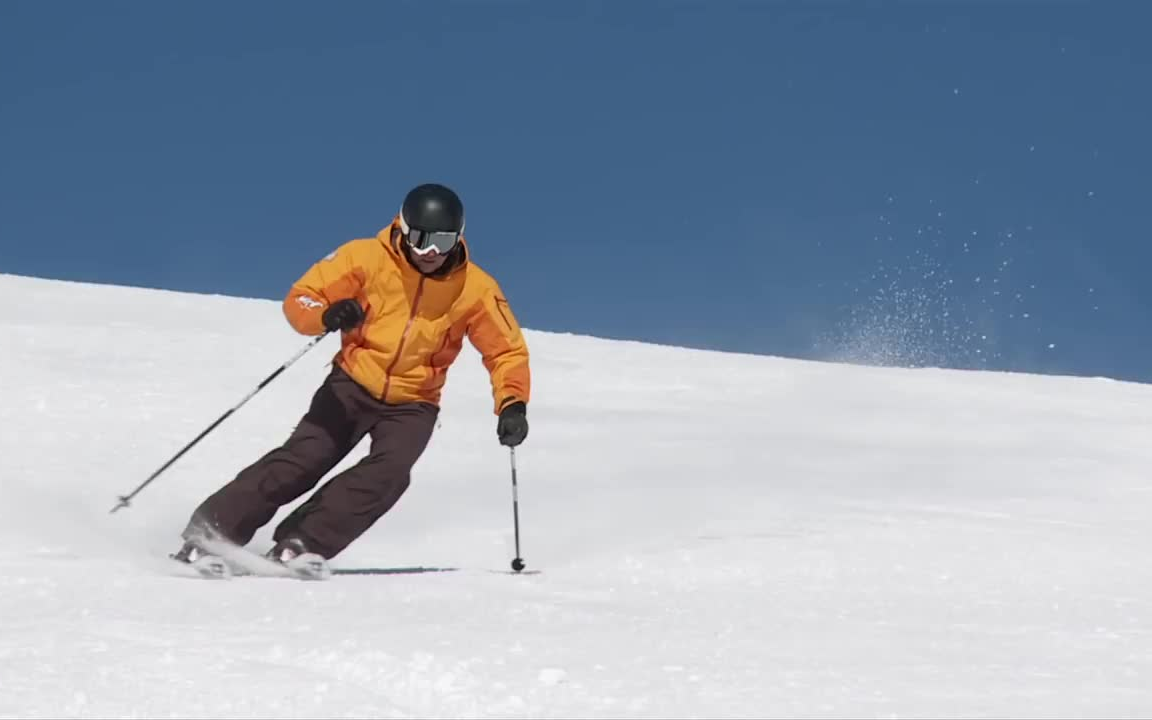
(222,560)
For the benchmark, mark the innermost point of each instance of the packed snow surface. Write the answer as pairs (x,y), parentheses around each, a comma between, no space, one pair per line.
(706,534)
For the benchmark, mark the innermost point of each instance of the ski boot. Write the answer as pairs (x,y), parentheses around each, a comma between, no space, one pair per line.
(204,563)
(294,555)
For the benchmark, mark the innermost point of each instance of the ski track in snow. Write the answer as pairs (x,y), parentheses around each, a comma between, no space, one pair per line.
(717,535)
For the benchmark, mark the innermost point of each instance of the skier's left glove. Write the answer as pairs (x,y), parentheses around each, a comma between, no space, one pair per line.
(512,427)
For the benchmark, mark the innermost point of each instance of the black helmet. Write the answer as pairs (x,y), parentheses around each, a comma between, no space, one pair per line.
(433,208)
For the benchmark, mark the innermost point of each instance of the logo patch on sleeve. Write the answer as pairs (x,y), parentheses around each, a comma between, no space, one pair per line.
(308,303)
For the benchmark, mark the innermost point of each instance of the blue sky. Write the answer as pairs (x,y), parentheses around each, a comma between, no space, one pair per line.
(957,183)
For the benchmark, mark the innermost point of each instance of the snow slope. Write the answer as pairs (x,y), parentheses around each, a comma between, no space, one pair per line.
(718,535)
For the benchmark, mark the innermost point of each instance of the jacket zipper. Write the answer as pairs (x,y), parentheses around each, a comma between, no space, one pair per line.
(403,337)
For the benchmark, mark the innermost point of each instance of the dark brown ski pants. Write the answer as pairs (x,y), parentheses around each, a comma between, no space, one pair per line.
(341,414)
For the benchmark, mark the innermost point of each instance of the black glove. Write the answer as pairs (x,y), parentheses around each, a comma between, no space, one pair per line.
(512,427)
(343,315)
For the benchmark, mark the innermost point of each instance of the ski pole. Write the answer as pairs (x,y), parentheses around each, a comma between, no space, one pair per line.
(517,562)
(125,500)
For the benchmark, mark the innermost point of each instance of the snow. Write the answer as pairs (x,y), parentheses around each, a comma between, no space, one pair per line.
(712,534)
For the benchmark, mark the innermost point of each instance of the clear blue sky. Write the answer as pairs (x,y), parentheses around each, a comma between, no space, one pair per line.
(963,183)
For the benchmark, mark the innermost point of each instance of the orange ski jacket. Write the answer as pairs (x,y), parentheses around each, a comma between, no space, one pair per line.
(414,325)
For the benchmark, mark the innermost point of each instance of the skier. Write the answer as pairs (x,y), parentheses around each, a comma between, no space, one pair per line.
(403,302)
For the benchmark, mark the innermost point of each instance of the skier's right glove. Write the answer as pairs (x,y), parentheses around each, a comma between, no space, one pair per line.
(343,315)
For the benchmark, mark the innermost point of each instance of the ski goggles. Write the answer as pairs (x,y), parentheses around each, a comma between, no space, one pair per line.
(424,242)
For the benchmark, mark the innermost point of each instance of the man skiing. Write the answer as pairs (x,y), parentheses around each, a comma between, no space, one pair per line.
(403,302)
